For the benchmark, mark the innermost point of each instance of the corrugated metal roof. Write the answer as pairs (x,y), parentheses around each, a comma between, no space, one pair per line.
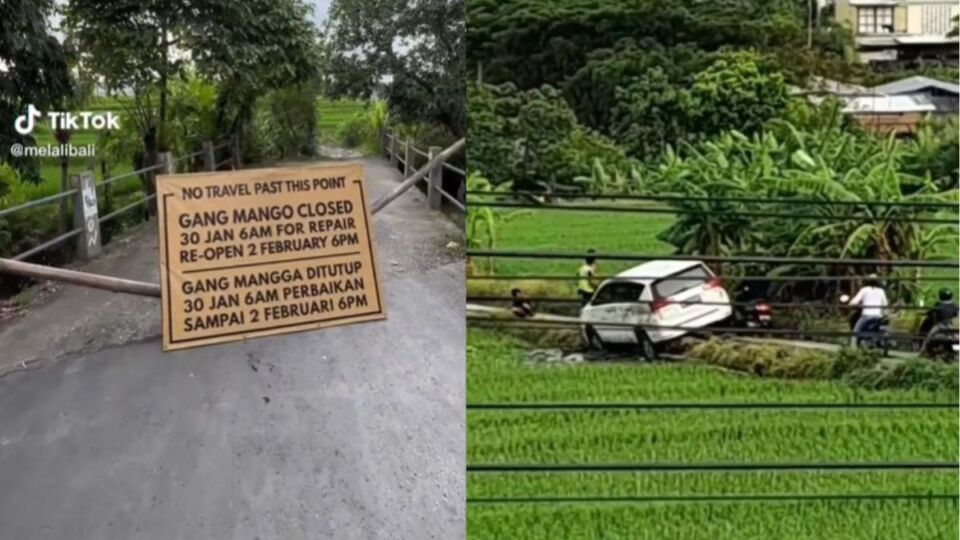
(906,103)
(915,84)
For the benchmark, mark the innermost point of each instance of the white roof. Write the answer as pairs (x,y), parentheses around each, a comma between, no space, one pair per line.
(655,270)
(906,103)
(916,84)
(925,39)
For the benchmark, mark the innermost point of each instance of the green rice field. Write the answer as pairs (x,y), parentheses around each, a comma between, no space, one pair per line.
(496,373)
(332,113)
(838,504)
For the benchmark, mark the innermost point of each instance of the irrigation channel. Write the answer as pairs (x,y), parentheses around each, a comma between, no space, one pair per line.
(793,283)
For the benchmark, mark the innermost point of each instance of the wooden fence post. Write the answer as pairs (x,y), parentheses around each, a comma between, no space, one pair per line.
(209,157)
(63,216)
(237,156)
(393,150)
(85,215)
(435,181)
(165,160)
(407,154)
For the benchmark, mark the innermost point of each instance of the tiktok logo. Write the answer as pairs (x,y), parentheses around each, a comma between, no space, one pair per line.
(25,122)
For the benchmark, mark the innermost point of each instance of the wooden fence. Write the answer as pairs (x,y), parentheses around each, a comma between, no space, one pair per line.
(403,155)
(86,231)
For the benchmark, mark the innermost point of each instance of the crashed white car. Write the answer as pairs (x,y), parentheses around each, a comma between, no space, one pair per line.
(683,294)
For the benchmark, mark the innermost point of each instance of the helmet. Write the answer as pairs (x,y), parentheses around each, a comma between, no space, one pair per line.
(945,294)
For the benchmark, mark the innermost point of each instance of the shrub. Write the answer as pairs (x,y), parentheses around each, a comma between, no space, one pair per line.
(783,362)
(284,124)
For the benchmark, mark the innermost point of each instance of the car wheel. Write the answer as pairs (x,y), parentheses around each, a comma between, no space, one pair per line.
(593,339)
(647,349)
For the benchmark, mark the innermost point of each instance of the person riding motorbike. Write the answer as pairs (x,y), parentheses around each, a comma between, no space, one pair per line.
(939,319)
(872,300)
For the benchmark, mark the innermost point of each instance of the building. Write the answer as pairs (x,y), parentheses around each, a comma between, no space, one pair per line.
(898,107)
(901,115)
(944,96)
(901,31)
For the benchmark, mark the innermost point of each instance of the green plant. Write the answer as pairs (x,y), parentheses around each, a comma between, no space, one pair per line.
(285,123)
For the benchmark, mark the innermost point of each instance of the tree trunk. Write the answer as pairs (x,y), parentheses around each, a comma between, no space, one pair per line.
(162,121)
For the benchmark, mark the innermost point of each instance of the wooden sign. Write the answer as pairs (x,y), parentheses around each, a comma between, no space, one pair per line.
(87,218)
(264,251)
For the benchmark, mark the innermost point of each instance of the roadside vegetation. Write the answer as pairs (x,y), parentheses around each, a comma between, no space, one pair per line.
(256,72)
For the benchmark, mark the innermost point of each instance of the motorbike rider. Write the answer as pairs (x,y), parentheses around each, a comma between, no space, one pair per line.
(939,318)
(872,300)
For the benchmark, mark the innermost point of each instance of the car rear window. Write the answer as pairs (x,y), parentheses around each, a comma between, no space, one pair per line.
(618,292)
(682,281)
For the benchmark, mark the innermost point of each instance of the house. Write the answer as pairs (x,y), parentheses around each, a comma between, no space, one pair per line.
(944,96)
(901,31)
(889,114)
(896,107)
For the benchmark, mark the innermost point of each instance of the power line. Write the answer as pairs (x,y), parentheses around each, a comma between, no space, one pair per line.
(754,259)
(714,498)
(701,212)
(705,467)
(710,199)
(504,277)
(656,406)
(777,305)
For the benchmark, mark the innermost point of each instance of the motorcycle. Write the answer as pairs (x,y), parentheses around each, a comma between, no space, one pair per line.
(751,309)
(874,334)
(940,340)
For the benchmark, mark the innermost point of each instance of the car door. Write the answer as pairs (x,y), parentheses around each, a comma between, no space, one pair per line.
(616,302)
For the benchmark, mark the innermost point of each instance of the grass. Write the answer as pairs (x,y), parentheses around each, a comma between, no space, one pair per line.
(331,114)
(552,230)
(496,373)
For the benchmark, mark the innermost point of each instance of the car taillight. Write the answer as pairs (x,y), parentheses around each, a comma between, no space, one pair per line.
(659,304)
(763,308)
(714,283)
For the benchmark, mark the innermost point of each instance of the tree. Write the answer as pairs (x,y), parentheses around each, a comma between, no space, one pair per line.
(259,46)
(736,92)
(536,42)
(592,90)
(33,70)
(141,45)
(414,53)
(532,138)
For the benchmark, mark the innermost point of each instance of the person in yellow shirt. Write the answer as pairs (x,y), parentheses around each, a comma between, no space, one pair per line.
(587,282)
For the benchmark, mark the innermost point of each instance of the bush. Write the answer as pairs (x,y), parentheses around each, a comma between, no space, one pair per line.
(783,362)
(532,137)
(284,124)
(355,132)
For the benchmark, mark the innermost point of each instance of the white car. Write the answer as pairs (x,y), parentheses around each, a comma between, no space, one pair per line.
(658,293)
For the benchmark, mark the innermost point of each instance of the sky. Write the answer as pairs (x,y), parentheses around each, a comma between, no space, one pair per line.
(320,8)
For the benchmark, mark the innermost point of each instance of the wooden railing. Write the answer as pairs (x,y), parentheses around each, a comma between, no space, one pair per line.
(201,160)
(405,154)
